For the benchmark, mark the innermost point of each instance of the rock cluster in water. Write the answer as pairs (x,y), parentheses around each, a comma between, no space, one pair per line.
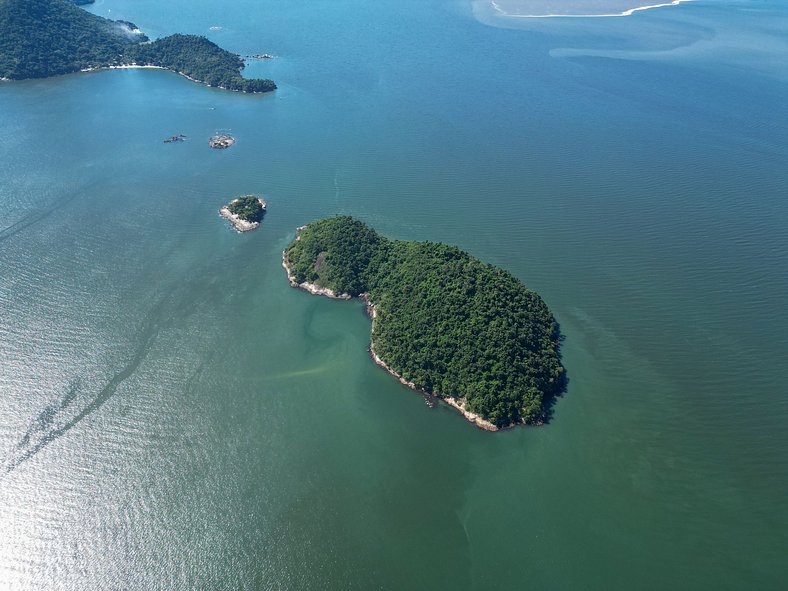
(243,223)
(221,141)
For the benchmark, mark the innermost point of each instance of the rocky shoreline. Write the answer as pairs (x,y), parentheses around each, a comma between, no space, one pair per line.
(221,141)
(148,67)
(306,286)
(471,417)
(372,312)
(239,224)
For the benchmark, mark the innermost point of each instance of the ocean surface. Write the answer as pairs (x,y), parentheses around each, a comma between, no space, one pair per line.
(174,416)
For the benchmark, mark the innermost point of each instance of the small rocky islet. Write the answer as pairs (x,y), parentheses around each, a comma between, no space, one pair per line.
(221,141)
(245,213)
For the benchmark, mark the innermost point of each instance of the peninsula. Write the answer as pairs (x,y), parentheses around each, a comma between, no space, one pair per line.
(43,38)
(443,322)
(244,213)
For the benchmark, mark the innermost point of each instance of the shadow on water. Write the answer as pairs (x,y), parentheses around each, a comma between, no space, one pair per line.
(562,384)
(47,416)
(38,215)
(54,422)
(78,402)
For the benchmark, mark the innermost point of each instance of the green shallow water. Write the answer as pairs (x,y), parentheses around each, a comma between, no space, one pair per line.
(174,416)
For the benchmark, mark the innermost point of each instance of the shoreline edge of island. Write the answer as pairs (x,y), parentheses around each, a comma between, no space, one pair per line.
(238,224)
(371,311)
(151,67)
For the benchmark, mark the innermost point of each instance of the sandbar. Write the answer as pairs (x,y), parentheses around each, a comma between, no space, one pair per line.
(572,8)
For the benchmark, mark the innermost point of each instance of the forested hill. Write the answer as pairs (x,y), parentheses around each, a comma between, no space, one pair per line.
(42,38)
(449,323)
(200,59)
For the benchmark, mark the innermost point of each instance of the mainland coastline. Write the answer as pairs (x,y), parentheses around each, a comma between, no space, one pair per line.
(85,42)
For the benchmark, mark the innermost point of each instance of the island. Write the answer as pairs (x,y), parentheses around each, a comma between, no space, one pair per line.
(245,213)
(43,38)
(443,322)
(221,141)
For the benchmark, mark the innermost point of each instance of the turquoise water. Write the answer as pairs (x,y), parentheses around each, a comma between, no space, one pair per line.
(174,416)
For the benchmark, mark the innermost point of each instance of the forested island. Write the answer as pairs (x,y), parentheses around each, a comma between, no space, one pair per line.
(42,38)
(443,322)
(245,213)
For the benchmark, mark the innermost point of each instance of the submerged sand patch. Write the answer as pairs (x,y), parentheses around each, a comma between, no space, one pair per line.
(569,8)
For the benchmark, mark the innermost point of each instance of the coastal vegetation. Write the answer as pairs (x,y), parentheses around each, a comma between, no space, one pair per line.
(42,38)
(199,59)
(244,213)
(248,208)
(443,321)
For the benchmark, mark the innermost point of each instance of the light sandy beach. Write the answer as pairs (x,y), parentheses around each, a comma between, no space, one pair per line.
(125,67)
(138,67)
(538,9)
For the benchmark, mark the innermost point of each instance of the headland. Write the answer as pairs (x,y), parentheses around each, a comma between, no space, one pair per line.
(312,288)
(44,38)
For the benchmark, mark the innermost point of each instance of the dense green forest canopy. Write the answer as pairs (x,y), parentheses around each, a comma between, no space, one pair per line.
(247,208)
(449,323)
(198,58)
(41,38)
